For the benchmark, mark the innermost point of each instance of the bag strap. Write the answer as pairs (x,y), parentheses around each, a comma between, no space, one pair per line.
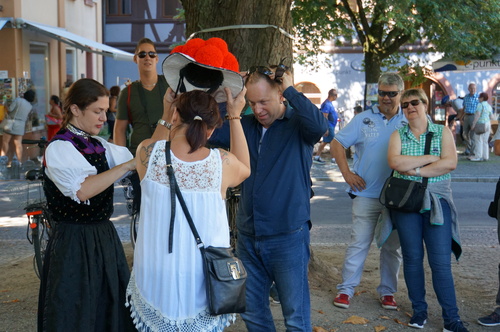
(129,112)
(427,149)
(175,190)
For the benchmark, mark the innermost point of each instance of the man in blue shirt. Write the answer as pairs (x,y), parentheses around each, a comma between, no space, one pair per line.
(470,103)
(274,213)
(369,132)
(331,115)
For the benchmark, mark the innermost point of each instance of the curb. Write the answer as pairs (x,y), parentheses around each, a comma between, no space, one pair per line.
(337,178)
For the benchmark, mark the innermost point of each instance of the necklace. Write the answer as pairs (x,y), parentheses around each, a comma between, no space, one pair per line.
(77,131)
(148,85)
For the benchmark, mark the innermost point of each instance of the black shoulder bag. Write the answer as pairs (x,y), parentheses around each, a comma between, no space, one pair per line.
(405,195)
(225,276)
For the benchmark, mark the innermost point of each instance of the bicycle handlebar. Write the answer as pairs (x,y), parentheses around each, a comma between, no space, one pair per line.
(34,174)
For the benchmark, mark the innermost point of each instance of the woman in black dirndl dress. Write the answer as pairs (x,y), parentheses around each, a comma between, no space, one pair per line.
(85,272)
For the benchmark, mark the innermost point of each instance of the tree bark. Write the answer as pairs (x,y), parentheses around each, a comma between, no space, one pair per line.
(251,46)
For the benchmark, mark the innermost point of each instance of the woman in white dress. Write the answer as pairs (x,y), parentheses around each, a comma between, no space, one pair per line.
(483,115)
(167,290)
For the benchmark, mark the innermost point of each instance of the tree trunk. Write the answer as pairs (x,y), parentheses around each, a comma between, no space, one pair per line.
(251,46)
(372,70)
(372,67)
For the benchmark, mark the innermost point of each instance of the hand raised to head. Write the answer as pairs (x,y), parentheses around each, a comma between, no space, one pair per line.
(235,105)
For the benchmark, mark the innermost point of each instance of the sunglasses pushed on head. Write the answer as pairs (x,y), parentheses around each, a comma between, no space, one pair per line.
(276,75)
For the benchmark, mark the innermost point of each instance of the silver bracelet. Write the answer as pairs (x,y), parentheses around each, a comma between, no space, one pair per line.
(417,171)
(167,125)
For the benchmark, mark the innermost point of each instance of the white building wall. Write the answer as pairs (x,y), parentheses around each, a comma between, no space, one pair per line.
(347,75)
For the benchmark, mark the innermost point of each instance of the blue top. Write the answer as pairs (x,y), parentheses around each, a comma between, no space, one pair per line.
(369,132)
(328,108)
(275,199)
(470,103)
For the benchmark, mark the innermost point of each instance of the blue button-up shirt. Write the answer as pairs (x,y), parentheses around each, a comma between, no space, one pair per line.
(470,103)
(275,199)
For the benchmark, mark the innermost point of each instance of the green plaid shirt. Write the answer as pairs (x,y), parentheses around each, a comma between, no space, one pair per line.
(410,146)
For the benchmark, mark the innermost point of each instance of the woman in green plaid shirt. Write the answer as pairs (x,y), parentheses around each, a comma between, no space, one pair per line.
(436,223)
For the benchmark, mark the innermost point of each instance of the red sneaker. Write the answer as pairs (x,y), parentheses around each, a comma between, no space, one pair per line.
(341,301)
(388,302)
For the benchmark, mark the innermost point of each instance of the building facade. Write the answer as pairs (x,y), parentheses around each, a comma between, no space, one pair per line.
(48,45)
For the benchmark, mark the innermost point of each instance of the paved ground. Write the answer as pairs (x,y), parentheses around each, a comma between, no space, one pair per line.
(475,276)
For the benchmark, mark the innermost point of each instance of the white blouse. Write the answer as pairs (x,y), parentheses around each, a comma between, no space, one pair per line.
(68,168)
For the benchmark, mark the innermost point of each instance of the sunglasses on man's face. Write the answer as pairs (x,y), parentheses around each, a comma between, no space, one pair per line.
(391,94)
(143,54)
(412,102)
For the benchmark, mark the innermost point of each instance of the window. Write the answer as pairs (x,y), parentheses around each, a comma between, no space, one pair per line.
(310,90)
(119,7)
(495,99)
(71,69)
(170,7)
(39,67)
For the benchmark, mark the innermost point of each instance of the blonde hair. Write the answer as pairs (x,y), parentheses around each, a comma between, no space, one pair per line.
(419,93)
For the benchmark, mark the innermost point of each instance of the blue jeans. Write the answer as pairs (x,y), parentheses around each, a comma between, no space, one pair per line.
(414,229)
(283,259)
(365,213)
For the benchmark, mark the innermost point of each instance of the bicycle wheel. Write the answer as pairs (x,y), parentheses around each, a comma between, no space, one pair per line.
(134,228)
(40,233)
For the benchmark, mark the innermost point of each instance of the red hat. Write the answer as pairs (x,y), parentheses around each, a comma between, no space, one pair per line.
(203,65)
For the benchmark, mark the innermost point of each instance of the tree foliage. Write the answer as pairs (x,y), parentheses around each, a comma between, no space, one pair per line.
(461,29)
(250,44)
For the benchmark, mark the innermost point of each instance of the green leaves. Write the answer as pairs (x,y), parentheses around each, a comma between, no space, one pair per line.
(461,29)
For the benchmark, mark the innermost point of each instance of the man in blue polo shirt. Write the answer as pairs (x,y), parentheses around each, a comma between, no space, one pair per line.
(369,132)
(470,103)
(331,115)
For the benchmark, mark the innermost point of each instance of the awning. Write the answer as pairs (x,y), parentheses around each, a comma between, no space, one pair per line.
(468,65)
(74,40)
(3,21)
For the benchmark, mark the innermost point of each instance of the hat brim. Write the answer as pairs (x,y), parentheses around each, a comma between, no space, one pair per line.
(175,62)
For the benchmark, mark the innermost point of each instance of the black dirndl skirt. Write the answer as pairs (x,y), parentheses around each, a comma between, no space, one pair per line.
(84,280)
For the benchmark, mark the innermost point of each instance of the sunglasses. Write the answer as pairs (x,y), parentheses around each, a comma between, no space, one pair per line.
(260,69)
(412,102)
(143,54)
(391,94)
(278,73)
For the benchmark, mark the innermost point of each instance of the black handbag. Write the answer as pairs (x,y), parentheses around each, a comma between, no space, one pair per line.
(405,195)
(225,275)
(493,208)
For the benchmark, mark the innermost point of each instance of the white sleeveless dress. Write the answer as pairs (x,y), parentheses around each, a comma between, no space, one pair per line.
(166,291)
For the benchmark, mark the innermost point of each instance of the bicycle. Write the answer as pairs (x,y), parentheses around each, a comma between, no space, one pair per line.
(131,188)
(39,228)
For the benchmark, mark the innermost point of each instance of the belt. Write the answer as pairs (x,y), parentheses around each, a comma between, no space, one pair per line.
(469,113)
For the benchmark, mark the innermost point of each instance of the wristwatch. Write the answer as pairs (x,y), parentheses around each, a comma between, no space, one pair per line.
(167,125)
(417,171)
